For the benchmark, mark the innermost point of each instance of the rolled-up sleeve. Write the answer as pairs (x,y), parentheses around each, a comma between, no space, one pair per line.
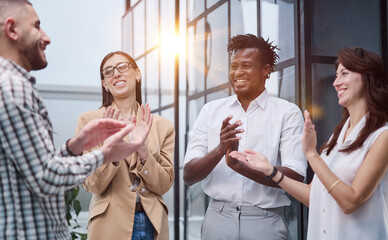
(291,142)
(198,143)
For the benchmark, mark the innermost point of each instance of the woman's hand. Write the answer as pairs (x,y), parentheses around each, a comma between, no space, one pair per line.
(309,138)
(254,160)
(141,131)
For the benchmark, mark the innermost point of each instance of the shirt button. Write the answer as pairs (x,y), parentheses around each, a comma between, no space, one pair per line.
(237,209)
(323,210)
(146,172)
(324,231)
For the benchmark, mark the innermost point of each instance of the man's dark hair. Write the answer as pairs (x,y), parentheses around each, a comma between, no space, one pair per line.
(266,48)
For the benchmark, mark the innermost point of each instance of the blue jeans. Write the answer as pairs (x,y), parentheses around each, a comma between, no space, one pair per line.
(142,227)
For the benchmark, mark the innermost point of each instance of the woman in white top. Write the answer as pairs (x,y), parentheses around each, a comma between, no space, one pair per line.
(348,196)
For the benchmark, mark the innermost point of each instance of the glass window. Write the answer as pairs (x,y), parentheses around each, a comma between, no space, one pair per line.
(195,107)
(167,77)
(277,24)
(138,33)
(152,79)
(152,23)
(243,17)
(167,58)
(140,64)
(167,19)
(287,84)
(282,84)
(215,47)
(196,58)
(210,3)
(127,33)
(326,112)
(352,26)
(133,2)
(194,8)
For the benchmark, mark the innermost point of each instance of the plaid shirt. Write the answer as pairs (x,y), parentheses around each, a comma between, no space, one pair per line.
(33,176)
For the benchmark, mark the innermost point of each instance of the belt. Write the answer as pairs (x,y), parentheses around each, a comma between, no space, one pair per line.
(244,209)
(139,207)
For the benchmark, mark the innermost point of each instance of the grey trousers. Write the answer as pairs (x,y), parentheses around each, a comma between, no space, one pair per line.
(236,222)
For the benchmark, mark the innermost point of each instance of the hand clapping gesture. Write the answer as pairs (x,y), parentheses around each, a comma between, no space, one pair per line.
(253,160)
(138,132)
(309,138)
(228,138)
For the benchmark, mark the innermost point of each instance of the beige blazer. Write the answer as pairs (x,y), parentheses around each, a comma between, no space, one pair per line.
(112,208)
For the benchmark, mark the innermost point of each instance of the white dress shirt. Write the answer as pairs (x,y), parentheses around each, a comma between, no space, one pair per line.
(326,218)
(271,126)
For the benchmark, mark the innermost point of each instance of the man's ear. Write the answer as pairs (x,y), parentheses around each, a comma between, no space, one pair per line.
(10,29)
(266,70)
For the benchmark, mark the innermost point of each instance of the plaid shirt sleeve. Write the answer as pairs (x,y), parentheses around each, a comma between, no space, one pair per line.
(26,140)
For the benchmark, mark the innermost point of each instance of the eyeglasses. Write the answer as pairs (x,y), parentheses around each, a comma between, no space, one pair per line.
(121,67)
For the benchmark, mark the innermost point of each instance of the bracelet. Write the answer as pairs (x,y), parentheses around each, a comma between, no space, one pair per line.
(333,185)
(281,178)
(71,153)
(274,171)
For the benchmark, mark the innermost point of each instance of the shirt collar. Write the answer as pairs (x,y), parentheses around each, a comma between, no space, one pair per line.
(16,69)
(354,134)
(260,100)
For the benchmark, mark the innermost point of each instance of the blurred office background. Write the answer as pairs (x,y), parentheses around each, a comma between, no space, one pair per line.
(308,32)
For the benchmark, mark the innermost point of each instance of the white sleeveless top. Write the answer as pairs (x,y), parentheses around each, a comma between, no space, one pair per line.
(326,218)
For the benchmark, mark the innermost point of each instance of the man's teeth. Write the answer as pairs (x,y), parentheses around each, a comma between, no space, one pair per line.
(240,81)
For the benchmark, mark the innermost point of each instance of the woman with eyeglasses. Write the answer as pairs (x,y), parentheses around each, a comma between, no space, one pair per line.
(127,198)
(348,196)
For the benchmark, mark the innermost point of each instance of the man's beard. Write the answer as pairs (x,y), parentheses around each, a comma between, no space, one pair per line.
(31,50)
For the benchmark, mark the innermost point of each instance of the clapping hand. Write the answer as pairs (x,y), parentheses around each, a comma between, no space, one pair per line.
(140,132)
(253,160)
(94,133)
(309,138)
(228,138)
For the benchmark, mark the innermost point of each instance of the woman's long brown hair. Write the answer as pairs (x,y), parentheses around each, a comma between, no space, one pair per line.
(375,92)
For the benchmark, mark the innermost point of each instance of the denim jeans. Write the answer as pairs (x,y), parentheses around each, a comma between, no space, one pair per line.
(142,227)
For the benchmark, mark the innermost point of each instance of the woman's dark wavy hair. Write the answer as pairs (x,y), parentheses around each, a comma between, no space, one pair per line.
(107,97)
(375,92)
(266,49)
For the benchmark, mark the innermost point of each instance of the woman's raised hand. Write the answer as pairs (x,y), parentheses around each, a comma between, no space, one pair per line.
(309,137)
(140,132)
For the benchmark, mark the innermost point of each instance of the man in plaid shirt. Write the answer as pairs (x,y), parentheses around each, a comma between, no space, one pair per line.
(33,176)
